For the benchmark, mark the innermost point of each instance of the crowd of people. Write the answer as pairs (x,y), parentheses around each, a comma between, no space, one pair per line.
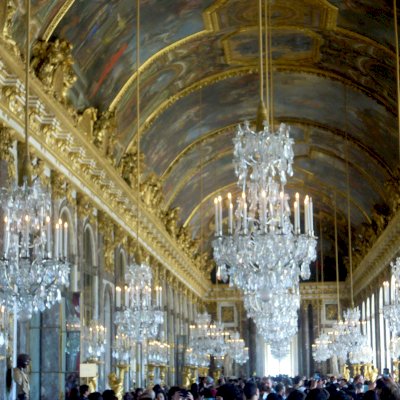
(266,388)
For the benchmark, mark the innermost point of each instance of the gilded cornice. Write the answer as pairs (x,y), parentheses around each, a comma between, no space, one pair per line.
(377,260)
(57,140)
(309,291)
(322,290)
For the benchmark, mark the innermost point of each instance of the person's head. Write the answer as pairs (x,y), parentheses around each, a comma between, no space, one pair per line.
(95,396)
(280,389)
(250,390)
(148,394)
(109,395)
(160,395)
(138,392)
(317,394)
(358,379)
(173,393)
(296,395)
(84,390)
(268,383)
(23,360)
(298,381)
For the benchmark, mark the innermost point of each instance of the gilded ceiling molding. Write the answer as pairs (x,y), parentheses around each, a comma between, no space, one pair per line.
(56,139)
(369,42)
(56,20)
(6,144)
(384,250)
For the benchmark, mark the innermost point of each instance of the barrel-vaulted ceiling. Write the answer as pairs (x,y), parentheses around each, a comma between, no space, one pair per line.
(333,79)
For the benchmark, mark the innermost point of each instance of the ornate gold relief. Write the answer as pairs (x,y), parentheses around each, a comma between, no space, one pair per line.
(104,134)
(106,228)
(86,121)
(84,208)
(52,63)
(7,11)
(151,194)
(38,170)
(6,144)
(57,185)
(128,166)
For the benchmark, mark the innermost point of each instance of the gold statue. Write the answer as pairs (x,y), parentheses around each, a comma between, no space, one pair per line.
(116,384)
(346,372)
(7,10)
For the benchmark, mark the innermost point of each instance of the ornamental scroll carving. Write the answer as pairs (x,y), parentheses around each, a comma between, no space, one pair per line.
(53,63)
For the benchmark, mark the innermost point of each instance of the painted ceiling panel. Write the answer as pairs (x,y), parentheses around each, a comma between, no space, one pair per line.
(102,33)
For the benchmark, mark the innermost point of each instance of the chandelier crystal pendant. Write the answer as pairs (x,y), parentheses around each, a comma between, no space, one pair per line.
(33,269)
(158,352)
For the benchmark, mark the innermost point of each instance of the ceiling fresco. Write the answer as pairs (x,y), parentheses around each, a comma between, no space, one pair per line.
(333,79)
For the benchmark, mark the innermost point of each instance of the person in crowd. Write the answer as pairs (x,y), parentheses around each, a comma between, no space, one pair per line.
(138,392)
(95,396)
(250,391)
(280,390)
(110,395)
(84,392)
(21,378)
(73,394)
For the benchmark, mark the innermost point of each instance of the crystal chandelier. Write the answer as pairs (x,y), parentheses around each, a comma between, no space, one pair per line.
(322,348)
(32,272)
(158,352)
(95,337)
(122,347)
(141,318)
(216,340)
(391,312)
(361,351)
(395,347)
(261,251)
(236,348)
(280,349)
